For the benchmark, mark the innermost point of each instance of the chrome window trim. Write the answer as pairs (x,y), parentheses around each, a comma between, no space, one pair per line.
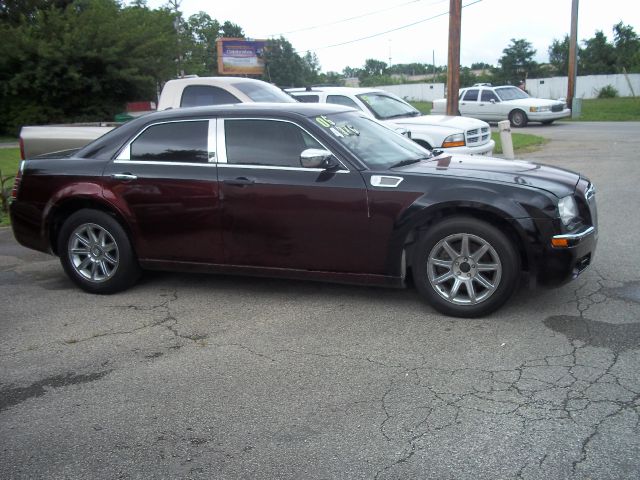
(223,150)
(154,162)
(275,167)
(125,153)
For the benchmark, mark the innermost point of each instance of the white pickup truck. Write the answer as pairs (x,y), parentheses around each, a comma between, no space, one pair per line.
(182,92)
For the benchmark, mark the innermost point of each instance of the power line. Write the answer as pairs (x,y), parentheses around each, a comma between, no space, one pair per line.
(387,31)
(344,20)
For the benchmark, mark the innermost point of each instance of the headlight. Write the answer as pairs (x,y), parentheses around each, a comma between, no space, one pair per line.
(539,109)
(568,209)
(455,140)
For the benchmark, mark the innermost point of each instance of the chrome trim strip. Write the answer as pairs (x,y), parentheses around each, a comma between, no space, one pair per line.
(211,140)
(273,167)
(574,239)
(377,181)
(154,162)
(222,141)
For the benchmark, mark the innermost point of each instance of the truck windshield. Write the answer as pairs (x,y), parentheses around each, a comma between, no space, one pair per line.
(375,145)
(263,92)
(511,93)
(384,106)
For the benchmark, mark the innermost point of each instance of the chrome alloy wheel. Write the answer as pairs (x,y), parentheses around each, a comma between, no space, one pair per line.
(464,269)
(93,252)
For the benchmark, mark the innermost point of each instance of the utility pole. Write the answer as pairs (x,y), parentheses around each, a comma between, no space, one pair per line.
(177,24)
(573,54)
(453,71)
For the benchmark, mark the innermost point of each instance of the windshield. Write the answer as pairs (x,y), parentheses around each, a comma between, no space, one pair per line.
(511,93)
(375,145)
(384,106)
(263,92)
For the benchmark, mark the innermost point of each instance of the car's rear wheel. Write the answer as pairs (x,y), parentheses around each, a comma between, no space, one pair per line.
(466,267)
(518,119)
(96,253)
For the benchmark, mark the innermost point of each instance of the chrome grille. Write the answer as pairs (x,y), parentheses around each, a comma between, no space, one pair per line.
(477,136)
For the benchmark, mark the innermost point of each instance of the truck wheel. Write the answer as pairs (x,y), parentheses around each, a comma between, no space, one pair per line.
(464,267)
(518,119)
(96,253)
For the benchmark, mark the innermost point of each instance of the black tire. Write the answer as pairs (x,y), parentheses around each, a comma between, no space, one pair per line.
(429,276)
(518,119)
(547,122)
(96,253)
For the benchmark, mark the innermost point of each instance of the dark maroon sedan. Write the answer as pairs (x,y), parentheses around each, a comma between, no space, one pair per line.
(303,191)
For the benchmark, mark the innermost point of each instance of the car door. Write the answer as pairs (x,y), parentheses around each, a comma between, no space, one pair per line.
(165,182)
(489,105)
(468,104)
(279,214)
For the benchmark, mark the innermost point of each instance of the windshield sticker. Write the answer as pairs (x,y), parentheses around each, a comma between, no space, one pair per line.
(339,131)
(365,99)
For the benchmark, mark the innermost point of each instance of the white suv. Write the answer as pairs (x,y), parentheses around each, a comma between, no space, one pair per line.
(493,104)
(452,134)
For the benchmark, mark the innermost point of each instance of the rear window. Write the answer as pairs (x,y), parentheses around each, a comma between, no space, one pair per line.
(263,92)
(182,142)
(471,95)
(201,95)
(307,98)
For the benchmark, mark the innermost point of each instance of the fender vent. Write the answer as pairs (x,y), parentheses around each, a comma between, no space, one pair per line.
(385,181)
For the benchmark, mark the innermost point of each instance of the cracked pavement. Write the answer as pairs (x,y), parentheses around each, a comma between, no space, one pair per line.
(196,376)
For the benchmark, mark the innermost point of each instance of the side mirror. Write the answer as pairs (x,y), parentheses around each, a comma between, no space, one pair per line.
(404,131)
(493,100)
(318,158)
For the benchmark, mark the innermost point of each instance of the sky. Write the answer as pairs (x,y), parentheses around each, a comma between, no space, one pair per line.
(487,26)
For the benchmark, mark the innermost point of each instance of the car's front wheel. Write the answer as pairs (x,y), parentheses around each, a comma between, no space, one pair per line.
(96,253)
(518,119)
(465,267)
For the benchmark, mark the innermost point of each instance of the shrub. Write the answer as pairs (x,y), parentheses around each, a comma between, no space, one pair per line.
(608,92)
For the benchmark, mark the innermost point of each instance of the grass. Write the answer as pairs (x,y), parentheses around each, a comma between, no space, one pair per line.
(625,109)
(522,142)
(424,107)
(9,161)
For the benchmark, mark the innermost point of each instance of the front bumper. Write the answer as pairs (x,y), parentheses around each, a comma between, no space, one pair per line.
(561,264)
(484,149)
(547,116)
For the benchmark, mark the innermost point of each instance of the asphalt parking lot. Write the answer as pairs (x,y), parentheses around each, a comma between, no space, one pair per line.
(193,376)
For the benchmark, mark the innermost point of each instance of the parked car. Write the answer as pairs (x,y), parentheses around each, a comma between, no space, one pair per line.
(493,104)
(452,134)
(192,91)
(308,192)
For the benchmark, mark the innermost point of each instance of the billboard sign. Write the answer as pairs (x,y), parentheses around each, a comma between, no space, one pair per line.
(238,56)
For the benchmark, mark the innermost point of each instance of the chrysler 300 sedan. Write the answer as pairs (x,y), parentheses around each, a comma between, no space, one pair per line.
(303,191)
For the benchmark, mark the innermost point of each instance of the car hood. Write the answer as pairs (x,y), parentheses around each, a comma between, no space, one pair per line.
(533,102)
(555,180)
(457,123)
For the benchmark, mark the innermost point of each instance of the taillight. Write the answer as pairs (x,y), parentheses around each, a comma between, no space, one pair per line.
(21,148)
(16,182)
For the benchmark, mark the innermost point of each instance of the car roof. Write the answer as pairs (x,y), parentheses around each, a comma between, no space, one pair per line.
(196,80)
(336,90)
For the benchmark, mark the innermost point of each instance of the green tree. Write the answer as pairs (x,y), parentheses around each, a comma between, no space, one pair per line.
(516,63)
(283,66)
(559,55)
(598,56)
(82,62)
(373,68)
(627,48)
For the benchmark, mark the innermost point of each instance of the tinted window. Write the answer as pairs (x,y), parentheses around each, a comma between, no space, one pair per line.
(307,98)
(488,95)
(342,100)
(471,95)
(263,92)
(266,142)
(173,142)
(200,95)
(511,93)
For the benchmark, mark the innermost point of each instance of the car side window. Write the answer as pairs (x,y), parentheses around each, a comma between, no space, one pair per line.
(342,100)
(181,142)
(265,142)
(201,95)
(471,95)
(488,95)
(308,98)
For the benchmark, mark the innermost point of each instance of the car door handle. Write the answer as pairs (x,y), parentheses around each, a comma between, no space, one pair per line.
(124,176)
(240,181)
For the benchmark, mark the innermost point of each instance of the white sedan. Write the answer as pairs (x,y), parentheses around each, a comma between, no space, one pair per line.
(451,134)
(493,104)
